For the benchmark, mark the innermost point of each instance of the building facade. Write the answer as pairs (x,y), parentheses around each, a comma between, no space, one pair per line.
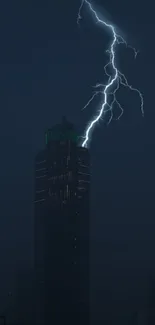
(62,199)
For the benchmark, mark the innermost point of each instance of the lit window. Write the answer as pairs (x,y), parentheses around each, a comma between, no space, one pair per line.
(40,162)
(70,175)
(40,169)
(81,188)
(40,191)
(67,191)
(84,166)
(83,173)
(39,201)
(68,158)
(41,176)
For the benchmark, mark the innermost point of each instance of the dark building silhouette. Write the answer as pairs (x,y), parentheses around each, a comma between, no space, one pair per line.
(2,320)
(25,297)
(151,301)
(62,186)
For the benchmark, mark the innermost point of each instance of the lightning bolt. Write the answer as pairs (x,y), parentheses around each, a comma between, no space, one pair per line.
(114,81)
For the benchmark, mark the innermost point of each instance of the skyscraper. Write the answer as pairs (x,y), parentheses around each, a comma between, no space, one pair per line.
(62,187)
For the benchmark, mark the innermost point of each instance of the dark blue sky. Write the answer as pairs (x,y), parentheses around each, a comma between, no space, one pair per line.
(47,67)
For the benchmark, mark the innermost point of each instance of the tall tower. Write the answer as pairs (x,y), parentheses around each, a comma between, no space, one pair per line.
(62,187)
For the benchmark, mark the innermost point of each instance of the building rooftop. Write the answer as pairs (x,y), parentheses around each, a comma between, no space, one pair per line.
(61,132)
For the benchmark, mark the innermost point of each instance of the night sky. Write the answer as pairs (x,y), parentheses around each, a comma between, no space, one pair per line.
(47,67)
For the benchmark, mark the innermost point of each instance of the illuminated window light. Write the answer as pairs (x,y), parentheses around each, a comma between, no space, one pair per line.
(40,191)
(81,188)
(83,173)
(37,201)
(84,166)
(37,170)
(40,162)
(68,158)
(67,191)
(41,176)
(70,176)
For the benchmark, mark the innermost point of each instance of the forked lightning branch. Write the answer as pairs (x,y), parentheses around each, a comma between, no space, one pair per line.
(115,80)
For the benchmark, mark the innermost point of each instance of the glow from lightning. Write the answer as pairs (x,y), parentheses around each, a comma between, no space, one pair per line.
(113,81)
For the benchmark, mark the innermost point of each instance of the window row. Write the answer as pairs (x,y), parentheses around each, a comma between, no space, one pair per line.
(64,177)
